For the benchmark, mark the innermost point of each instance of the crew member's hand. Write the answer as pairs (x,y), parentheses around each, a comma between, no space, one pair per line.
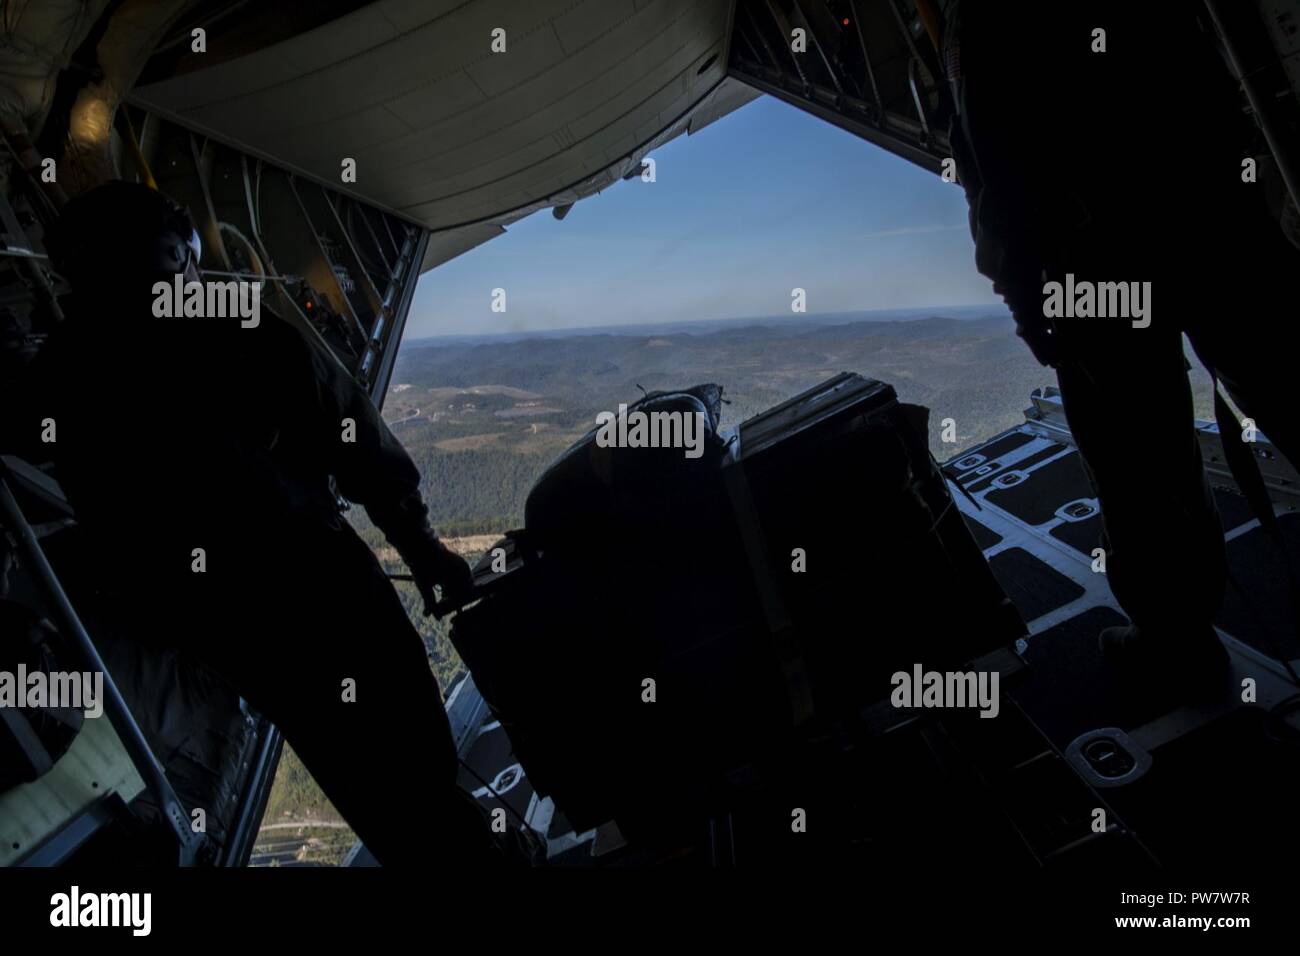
(432,565)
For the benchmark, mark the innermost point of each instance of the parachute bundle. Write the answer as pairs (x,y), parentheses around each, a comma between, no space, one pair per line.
(667,626)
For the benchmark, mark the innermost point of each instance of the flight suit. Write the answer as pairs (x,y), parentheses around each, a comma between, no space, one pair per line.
(197,454)
(1106,142)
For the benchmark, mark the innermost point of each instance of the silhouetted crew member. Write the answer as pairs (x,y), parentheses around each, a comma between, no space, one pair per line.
(197,453)
(1124,165)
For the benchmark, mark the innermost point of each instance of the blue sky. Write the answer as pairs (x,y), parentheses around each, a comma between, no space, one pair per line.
(764,200)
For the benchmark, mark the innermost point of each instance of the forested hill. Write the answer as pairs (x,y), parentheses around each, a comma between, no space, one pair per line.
(483,419)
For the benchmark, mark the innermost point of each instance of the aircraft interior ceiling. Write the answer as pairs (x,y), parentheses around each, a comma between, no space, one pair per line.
(446,132)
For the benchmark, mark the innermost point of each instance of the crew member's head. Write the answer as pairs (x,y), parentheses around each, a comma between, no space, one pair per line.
(122,236)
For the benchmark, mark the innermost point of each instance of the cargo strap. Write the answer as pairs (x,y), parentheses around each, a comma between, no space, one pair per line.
(1250,480)
(1242,464)
(785,641)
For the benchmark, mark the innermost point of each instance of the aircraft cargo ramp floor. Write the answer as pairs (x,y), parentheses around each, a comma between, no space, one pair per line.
(1221,782)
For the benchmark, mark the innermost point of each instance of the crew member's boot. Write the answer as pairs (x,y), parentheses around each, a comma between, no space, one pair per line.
(1188,665)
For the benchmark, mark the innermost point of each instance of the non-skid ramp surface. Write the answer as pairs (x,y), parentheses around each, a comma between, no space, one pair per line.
(1048,485)
(1257,608)
(1038,522)
(1234,510)
(1069,690)
(494,775)
(974,464)
(1034,586)
(1011,469)
(1085,535)
(497,778)
(1036,518)
(984,536)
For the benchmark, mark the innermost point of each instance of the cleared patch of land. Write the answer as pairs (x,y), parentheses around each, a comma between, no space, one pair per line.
(469,442)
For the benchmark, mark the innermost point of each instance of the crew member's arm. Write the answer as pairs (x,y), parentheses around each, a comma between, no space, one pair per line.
(1004,144)
(374,470)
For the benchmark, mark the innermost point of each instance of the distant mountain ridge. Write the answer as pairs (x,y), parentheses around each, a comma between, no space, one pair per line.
(704,326)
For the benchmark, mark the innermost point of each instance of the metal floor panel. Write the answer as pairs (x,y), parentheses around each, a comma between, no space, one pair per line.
(1067,691)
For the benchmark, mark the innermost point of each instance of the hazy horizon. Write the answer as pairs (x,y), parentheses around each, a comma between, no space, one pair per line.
(704,326)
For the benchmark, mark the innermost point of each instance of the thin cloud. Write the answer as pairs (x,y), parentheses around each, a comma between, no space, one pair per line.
(913,231)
